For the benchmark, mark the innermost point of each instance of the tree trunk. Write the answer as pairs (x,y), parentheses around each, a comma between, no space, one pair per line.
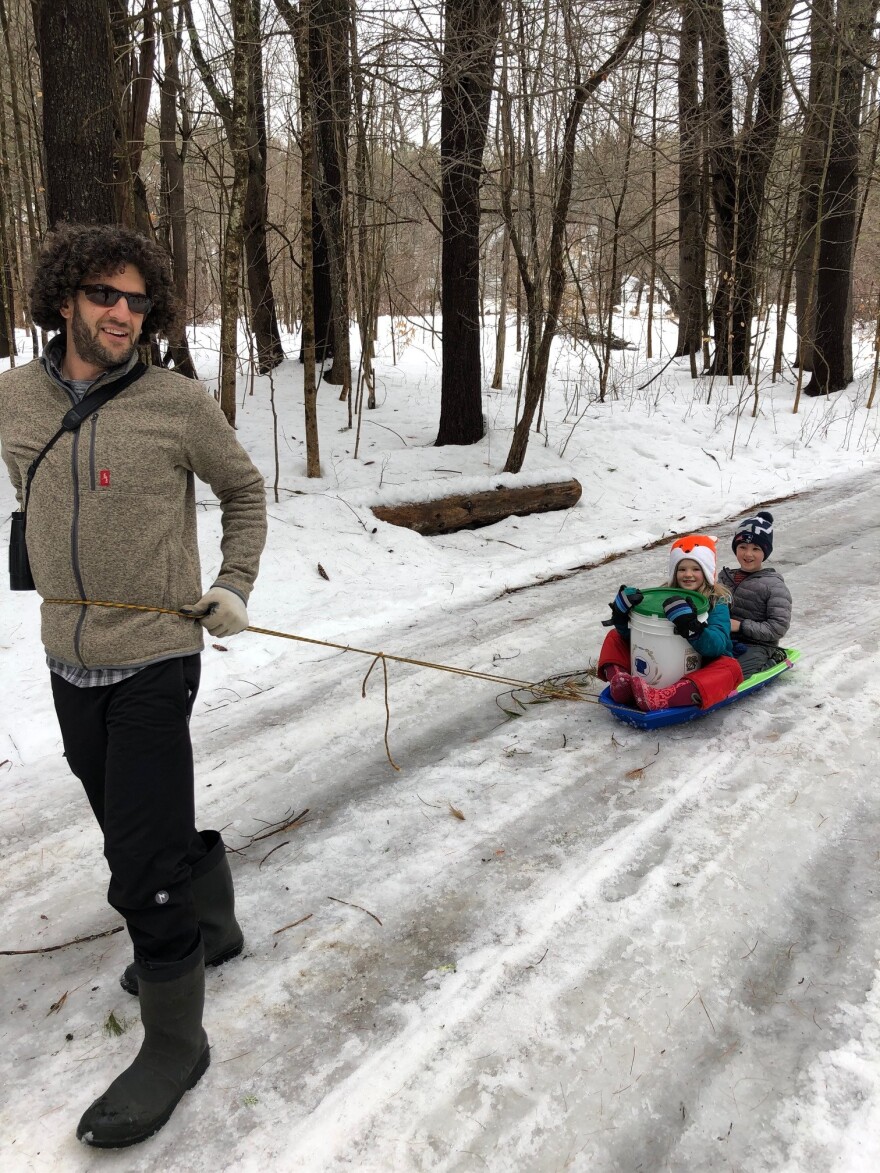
(691,242)
(501,326)
(76,62)
(134,62)
(470,40)
(329,49)
(814,149)
(7,304)
(741,172)
(306,106)
(832,337)
(322,290)
(243,33)
(542,321)
(264,323)
(7,228)
(471,510)
(264,318)
(174,176)
(330,89)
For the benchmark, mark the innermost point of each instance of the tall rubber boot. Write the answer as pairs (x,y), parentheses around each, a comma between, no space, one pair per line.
(214,898)
(173,1057)
(674,696)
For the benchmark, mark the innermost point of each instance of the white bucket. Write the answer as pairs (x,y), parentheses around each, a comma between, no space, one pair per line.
(657,653)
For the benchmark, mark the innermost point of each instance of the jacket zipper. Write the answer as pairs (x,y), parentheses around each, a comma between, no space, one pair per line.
(92,439)
(74,548)
(74,532)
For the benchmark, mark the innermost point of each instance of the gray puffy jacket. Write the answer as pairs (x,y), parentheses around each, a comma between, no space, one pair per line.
(762,604)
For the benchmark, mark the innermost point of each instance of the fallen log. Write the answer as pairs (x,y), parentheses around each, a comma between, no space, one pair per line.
(472,510)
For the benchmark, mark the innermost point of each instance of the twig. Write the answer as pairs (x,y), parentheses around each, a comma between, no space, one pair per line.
(540,959)
(63,945)
(387,429)
(381,656)
(357,906)
(657,376)
(293,924)
(351,508)
(274,849)
(706,1012)
(56,1006)
(277,828)
(431,804)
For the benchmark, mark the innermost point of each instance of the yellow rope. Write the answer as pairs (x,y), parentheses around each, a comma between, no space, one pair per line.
(567,693)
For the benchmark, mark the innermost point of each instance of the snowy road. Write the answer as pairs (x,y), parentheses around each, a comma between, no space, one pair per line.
(633,953)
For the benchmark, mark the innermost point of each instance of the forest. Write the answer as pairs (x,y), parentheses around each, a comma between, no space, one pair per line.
(311,168)
(613,259)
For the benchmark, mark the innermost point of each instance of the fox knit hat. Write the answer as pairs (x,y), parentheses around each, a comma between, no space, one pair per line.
(756,531)
(700,548)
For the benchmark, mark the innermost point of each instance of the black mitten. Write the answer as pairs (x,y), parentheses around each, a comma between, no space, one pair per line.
(682,614)
(624,601)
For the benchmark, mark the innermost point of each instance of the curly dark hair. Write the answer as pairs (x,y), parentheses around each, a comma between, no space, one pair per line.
(72,253)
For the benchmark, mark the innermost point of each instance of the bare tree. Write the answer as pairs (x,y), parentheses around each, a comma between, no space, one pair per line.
(243,33)
(837,207)
(7,301)
(307,150)
(330,91)
(79,123)
(173,175)
(264,321)
(134,60)
(740,167)
(691,242)
(470,40)
(543,281)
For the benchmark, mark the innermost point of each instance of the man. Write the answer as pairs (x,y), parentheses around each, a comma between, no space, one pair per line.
(111,517)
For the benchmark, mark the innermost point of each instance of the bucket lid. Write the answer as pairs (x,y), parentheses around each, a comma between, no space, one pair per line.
(653,600)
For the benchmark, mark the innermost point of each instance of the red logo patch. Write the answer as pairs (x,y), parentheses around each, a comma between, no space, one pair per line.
(104,478)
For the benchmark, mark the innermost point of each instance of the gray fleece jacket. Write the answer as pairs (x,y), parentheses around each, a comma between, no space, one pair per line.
(112,511)
(762,604)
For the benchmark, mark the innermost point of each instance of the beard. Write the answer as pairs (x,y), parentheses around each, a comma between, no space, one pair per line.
(90,349)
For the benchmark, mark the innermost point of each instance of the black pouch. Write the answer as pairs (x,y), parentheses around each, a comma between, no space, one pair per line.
(20,577)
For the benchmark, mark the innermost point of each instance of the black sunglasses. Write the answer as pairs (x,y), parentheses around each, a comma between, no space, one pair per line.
(138,303)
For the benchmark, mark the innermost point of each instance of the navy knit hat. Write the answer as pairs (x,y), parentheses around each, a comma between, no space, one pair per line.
(756,531)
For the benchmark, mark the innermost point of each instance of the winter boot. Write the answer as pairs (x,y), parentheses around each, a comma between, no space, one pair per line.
(214,899)
(173,1057)
(619,685)
(674,696)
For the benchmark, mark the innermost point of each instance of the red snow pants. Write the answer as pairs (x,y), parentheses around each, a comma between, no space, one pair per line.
(714,681)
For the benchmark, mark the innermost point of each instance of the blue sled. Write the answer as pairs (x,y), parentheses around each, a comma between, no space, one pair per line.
(677,716)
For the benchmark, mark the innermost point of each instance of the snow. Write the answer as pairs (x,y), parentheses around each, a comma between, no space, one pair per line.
(633,952)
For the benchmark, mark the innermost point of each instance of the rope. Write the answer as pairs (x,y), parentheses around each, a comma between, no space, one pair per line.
(569,692)
(509,681)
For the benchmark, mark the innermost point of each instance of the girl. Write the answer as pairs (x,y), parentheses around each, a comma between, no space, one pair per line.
(691,568)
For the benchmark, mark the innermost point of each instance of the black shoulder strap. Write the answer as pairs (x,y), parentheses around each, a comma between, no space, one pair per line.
(80,412)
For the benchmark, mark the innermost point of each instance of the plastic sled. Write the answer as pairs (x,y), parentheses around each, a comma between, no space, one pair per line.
(660,718)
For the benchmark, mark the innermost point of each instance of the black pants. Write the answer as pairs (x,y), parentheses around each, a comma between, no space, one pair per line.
(754,658)
(128,743)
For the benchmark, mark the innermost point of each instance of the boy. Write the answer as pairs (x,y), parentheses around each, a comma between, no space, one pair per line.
(760,608)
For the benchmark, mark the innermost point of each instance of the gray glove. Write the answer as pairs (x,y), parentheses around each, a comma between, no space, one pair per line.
(220,611)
